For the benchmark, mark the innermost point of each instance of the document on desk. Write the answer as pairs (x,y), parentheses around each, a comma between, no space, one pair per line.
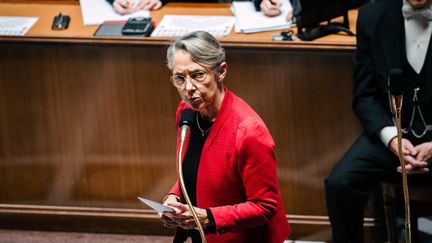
(95,12)
(178,25)
(17,26)
(248,20)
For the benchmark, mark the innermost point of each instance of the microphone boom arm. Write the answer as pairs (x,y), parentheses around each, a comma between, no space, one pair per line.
(397,107)
(183,134)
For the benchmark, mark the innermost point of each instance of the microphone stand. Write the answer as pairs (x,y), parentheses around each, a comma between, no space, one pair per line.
(397,106)
(183,133)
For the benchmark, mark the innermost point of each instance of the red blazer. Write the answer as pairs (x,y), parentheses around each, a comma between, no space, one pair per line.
(237,177)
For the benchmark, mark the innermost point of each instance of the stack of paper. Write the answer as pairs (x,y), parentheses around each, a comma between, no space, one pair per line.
(248,20)
(178,25)
(95,12)
(16,25)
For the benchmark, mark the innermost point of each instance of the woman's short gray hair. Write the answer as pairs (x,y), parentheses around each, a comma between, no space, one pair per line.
(202,46)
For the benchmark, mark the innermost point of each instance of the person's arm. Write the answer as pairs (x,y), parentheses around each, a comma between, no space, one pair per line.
(387,134)
(129,6)
(148,5)
(256,164)
(370,102)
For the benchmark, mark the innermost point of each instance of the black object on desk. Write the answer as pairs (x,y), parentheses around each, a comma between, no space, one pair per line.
(309,15)
(138,26)
(60,22)
(110,28)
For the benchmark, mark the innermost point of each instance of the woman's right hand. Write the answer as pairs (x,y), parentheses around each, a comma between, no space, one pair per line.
(167,221)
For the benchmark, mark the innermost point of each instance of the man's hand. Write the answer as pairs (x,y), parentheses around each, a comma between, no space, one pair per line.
(123,6)
(130,6)
(271,8)
(414,162)
(148,5)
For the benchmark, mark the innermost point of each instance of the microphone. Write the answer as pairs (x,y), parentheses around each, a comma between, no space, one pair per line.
(185,124)
(396,88)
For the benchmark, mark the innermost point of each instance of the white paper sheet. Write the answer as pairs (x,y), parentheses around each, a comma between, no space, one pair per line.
(248,20)
(18,26)
(178,25)
(158,207)
(95,12)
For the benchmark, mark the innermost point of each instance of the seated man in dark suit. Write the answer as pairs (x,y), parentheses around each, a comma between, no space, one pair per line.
(391,34)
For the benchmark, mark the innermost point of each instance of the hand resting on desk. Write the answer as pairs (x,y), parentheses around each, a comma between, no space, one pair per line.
(131,6)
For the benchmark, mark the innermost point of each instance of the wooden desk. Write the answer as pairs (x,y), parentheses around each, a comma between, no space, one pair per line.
(77,32)
(87,124)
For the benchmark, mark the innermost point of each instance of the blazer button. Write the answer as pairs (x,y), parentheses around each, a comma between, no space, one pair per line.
(222,231)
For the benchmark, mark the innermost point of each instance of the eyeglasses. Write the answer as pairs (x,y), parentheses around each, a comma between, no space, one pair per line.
(179,80)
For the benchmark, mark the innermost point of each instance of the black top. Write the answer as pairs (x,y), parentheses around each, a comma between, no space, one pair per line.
(199,132)
(193,155)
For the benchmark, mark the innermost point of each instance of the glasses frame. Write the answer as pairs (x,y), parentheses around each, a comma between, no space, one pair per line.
(190,77)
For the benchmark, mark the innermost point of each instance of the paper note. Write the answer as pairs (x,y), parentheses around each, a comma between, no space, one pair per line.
(16,25)
(95,12)
(158,207)
(248,20)
(178,25)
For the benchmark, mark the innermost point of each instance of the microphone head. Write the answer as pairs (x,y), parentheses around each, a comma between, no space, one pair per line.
(396,82)
(187,118)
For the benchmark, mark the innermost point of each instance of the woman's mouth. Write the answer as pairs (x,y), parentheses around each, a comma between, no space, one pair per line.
(194,99)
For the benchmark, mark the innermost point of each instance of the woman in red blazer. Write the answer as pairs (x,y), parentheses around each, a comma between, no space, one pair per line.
(229,164)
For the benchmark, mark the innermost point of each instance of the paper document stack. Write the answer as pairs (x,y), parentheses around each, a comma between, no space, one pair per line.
(17,26)
(248,20)
(178,25)
(95,12)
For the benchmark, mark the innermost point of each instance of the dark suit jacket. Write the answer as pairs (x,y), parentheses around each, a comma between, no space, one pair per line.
(237,177)
(380,48)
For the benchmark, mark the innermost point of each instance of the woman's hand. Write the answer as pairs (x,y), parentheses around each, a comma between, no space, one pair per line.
(167,221)
(414,157)
(183,216)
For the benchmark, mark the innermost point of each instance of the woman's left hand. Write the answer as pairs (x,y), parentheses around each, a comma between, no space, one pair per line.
(184,218)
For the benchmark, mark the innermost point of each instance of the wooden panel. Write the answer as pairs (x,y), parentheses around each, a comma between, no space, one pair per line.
(305,101)
(93,125)
(97,123)
(87,124)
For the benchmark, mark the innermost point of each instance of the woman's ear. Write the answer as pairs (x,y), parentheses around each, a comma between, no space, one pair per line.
(222,71)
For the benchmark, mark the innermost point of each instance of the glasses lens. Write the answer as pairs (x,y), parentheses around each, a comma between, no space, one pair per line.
(178,80)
